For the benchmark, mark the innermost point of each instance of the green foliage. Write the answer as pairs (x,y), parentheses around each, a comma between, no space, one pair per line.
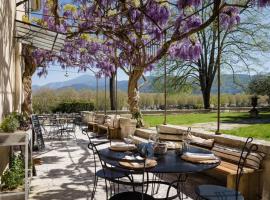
(10,123)
(74,107)
(260,85)
(47,101)
(14,176)
(23,119)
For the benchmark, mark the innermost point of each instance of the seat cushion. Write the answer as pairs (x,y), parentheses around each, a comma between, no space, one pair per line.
(229,154)
(131,196)
(201,142)
(215,192)
(109,174)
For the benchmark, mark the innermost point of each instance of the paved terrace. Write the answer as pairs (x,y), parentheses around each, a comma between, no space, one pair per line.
(67,172)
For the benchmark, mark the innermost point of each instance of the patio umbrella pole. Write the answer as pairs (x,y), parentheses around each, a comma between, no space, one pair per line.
(218,71)
(165,89)
(116,103)
(165,93)
(105,110)
(97,95)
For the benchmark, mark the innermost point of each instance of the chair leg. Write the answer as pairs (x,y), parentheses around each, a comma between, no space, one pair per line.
(94,188)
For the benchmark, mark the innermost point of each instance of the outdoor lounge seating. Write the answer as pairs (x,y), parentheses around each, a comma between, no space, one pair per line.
(246,157)
(249,185)
(115,126)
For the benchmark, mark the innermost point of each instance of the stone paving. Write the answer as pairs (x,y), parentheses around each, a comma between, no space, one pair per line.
(67,171)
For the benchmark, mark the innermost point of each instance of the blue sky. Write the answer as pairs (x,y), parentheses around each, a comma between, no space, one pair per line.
(56,74)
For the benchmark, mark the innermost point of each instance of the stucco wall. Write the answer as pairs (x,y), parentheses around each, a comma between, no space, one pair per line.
(10,68)
(10,60)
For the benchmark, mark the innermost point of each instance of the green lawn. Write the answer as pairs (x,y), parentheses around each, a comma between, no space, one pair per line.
(254,130)
(261,131)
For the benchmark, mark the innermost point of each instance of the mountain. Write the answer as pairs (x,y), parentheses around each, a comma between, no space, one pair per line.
(229,84)
(90,82)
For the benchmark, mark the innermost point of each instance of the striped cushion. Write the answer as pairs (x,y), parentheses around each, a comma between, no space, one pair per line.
(201,142)
(229,154)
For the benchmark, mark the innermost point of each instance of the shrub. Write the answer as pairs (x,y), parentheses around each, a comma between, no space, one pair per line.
(10,123)
(74,107)
(14,176)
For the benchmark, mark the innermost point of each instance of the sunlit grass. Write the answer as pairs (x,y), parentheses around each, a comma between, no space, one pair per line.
(261,131)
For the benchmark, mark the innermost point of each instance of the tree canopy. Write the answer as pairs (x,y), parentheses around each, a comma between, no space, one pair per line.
(131,34)
(260,85)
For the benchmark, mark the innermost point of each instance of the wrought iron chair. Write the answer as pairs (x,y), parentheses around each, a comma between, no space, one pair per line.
(107,173)
(215,192)
(141,172)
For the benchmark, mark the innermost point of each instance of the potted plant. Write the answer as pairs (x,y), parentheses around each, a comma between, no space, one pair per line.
(10,124)
(14,121)
(12,179)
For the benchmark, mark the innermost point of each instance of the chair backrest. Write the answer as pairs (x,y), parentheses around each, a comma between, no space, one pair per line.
(38,136)
(107,163)
(247,149)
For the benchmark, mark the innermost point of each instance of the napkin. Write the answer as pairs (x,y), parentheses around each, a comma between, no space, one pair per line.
(146,149)
(122,145)
(133,158)
(197,157)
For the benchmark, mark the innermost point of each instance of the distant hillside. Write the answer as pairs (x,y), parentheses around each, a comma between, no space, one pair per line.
(230,84)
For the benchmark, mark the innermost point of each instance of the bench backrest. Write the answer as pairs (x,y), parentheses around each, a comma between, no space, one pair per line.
(254,160)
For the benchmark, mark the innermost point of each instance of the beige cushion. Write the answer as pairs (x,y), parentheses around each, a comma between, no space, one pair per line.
(100,118)
(171,137)
(128,130)
(116,123)
(144,133)
(108,122)
(86,116)
(124,121)
(172,129)
(208,143)
(229,154)
(129,116)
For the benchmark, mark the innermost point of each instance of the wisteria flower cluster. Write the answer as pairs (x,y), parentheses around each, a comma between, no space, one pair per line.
(106,34)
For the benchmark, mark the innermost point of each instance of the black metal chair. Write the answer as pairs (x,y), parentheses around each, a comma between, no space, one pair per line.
(141,172)
(107,173)
(215,192)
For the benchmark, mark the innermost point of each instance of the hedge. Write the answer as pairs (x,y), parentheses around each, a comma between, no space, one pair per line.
(74,107)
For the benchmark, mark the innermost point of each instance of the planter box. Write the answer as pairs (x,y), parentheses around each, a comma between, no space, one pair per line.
(19,138)
(12,195)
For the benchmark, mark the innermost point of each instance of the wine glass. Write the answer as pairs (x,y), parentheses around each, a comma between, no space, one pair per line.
(128,140)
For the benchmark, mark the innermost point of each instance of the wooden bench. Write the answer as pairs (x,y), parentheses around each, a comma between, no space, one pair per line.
(250,181)
(102,129)
(92,126)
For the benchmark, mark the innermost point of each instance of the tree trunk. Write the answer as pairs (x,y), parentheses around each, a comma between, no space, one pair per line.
(206,85)
(206,98)
(133,96)
(30,69)
(112,92)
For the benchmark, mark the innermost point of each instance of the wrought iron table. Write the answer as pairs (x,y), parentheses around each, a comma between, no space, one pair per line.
(170,162)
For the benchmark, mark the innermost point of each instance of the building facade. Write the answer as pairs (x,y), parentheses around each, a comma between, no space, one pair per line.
(11,67)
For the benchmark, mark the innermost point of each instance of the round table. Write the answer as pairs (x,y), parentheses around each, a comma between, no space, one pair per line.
(170,162)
